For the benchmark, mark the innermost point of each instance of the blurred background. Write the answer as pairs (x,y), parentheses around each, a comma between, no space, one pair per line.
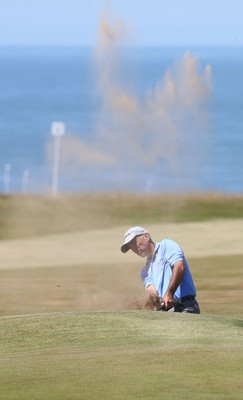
(121,96)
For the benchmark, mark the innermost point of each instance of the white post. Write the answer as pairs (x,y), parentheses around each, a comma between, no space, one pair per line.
(6,178)
(57,130)
(25,181)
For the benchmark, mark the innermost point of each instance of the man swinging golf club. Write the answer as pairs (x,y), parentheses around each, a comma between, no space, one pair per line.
(166,275)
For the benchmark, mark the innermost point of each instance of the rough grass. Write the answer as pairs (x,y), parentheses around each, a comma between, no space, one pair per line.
(37,215)
(125,355)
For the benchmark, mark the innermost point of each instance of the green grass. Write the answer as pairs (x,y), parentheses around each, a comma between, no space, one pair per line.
(121,355)
(37,215)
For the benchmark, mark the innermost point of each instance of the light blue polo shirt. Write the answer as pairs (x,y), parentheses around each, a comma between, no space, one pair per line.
(158,271)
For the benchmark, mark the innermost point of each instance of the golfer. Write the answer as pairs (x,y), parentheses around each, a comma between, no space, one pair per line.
(166,275)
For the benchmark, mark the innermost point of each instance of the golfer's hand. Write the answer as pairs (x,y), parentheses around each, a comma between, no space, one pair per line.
(154,301)
(168,301)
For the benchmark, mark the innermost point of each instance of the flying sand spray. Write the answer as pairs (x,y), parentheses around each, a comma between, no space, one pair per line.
(168,127)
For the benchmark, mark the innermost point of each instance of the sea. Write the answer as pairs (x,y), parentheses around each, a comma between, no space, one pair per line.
(136,119)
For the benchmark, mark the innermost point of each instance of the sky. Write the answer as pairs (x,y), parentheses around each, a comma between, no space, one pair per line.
(148,22)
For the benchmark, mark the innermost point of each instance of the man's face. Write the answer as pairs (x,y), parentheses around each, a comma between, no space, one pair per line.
(140,245)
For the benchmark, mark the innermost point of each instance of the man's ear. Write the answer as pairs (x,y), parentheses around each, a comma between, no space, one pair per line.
(147,235)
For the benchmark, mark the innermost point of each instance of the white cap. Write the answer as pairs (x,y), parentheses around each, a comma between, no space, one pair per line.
(130,234)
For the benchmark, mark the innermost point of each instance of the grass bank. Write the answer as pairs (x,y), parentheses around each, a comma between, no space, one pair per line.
(126,355)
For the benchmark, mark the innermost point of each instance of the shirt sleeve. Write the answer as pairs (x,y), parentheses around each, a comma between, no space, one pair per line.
(146,277)
(173,252)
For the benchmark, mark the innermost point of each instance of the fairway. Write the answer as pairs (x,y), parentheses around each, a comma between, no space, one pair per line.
(93,246)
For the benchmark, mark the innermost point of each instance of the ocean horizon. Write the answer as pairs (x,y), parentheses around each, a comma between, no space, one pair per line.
(135,119)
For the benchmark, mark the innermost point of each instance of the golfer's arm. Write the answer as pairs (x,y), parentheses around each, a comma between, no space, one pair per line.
(151,289)
(177,276)
(153,296)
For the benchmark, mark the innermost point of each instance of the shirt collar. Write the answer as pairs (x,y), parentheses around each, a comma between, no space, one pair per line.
(156,248)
